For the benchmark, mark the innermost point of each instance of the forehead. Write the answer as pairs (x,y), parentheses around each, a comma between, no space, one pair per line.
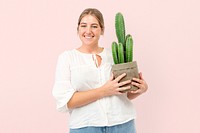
(89,19)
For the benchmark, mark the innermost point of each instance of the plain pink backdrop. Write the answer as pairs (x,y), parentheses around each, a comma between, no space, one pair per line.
(34,32)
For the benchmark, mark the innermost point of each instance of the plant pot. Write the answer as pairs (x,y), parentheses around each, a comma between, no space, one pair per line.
(131,70)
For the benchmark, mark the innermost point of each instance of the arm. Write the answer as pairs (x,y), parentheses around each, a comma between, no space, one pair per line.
(111,87)
(85,97)
(141,84)
(68,98)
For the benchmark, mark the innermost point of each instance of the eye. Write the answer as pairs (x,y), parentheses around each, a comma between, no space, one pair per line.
(94,26)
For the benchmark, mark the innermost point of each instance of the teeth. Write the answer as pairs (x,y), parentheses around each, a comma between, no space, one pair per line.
(88,37)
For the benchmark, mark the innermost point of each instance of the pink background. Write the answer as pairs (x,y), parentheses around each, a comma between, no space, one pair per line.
(166,34)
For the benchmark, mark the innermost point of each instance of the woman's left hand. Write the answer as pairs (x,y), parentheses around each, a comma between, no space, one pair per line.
(140,83)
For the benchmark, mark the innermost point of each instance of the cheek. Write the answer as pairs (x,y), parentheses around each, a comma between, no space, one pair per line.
(79,32)
(99,34)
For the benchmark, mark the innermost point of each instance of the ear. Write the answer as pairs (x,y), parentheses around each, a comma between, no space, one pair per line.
(102,31)
(77,29)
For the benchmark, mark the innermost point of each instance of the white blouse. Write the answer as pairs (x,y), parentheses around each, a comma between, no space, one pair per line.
(77,71)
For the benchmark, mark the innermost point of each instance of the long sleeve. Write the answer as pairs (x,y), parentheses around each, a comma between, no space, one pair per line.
(62,89)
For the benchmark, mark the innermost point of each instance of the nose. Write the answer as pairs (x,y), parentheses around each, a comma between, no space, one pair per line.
(88,30)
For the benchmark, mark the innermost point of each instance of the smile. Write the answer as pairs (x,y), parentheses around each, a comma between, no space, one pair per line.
(88,37)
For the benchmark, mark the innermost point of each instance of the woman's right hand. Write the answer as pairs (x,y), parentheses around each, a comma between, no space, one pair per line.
(113,86)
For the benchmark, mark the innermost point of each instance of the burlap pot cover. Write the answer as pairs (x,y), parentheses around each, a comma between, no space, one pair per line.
(131,70)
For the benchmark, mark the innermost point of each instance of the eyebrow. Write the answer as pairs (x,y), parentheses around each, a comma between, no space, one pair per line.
(91,24)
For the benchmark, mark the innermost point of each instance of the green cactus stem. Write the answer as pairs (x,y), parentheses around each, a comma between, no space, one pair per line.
(128,35)
(129,49)
(121,53)
(120,28)
(115,52)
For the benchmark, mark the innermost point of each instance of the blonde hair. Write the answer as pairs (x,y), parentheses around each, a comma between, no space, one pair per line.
(96,13)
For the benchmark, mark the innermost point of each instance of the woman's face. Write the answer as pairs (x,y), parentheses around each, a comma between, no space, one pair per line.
(89,30)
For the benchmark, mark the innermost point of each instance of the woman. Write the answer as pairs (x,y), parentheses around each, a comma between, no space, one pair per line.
(85,87)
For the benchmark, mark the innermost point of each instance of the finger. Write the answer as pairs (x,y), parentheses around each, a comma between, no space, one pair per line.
(124,83)
(120,77)
(140,75)
(136,91)
(137,80)
(136,84)
(123,88)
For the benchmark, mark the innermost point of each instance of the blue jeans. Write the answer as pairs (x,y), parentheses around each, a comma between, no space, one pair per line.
(128,127)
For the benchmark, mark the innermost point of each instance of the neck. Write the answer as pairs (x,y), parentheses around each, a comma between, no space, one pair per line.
(90,49)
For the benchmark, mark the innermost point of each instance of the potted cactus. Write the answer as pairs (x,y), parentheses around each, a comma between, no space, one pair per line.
(122,53)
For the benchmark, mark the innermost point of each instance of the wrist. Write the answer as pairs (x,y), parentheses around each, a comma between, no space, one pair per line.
(101,92)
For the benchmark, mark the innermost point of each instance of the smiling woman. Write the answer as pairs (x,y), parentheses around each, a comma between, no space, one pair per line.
(85,87)
(89,30)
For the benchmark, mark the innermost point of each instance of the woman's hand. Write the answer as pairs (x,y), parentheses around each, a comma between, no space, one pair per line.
(141,84)
(113,87)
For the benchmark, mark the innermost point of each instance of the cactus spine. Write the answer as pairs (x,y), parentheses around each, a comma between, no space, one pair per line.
(123,51)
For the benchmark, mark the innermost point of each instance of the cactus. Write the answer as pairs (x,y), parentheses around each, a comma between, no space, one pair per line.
(115,52)
(129,49)
(123,51)
(127,36)
(120,28)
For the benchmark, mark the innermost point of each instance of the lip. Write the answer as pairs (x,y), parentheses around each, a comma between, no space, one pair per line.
(88,37)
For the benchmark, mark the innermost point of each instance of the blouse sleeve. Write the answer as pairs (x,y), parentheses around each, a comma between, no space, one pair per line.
(62,89)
